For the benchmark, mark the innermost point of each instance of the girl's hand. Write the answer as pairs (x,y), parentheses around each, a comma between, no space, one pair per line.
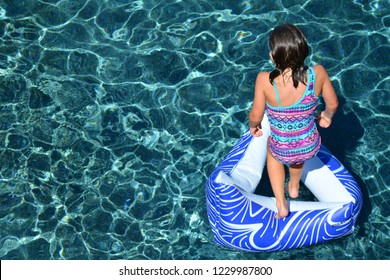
(324,120)
(256,131)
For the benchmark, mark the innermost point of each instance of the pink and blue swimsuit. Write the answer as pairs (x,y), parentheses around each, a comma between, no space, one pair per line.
(294,136)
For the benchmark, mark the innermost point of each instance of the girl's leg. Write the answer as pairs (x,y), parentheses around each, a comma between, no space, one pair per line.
(276,175)
(295,177)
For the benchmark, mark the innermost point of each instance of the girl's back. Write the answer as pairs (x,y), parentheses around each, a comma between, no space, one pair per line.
(288,94)
(294,136)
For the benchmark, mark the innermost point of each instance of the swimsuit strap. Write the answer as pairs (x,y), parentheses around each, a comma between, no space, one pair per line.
(310,77)
(277,95)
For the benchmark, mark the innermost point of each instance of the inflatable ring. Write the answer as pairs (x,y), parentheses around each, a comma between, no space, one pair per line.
(245,221)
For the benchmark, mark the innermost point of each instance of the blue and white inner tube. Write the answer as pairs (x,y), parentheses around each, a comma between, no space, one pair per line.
(243,220)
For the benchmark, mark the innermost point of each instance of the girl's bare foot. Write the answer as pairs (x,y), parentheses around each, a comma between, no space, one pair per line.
(293,190)
(282,209)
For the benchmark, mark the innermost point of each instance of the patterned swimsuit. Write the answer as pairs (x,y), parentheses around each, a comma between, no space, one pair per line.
(294,136)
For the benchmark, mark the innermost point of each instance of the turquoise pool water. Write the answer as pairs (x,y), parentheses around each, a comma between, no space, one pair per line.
(113,114)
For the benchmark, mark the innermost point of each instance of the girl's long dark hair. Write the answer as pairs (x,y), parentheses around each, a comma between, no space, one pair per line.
(289,49)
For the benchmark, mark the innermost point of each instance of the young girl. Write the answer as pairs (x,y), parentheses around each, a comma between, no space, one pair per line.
(290,95)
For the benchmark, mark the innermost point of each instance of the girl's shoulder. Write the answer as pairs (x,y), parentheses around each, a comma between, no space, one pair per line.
(263,75)
(263,79)
(321,78)
(320,71)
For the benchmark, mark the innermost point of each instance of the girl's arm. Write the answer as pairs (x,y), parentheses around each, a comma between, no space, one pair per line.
(330,98)
(258,106)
